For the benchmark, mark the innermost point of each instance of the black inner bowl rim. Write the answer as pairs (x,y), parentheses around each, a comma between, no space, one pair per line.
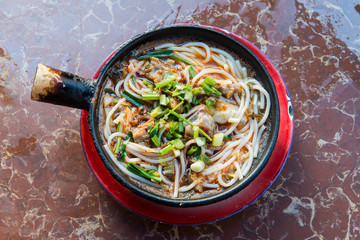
(93,126)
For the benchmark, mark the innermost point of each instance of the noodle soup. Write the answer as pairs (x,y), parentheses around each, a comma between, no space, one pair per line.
(184,118)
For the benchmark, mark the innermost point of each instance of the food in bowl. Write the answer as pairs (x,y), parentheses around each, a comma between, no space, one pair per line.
(184,117)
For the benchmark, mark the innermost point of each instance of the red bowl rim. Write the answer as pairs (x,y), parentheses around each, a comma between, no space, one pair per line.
(211,212)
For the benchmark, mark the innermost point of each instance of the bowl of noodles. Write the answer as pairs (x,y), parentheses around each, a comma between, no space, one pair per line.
(182,115)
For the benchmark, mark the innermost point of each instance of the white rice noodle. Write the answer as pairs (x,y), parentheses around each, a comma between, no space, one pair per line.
(212,70)
(128,83)
(163,177)
(107,131)
(256,145)
(115,134)
(186,58)
(267,110)
(117,87)
(188,187)
(245,167)
(151,160)
(254,138)
(166,45)
(177,180)
(218,166)
(242,110)
(210,185)
(143,149)
(122,167)
(148,166)
(221,155)
(238,169)
(231,182)
(182,164)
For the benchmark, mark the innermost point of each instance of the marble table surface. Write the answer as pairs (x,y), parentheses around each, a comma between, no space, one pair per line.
(47,190)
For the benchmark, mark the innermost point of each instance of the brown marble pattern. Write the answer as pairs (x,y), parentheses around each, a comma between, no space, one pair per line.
(47,190)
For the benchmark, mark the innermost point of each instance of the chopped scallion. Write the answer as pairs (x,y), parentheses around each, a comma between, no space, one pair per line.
(209,103)
(134,100)
(192,72)
(192,150)
(145,173)
(209,81)
(110,91)
(218,139)
(156,140)
(166,149)
(200,141)
(178,144)
(164,100)
(150,96)
(181,127)
(156,112)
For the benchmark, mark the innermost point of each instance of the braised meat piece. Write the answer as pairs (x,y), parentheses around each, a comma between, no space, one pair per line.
(155,70)
(227,88)
(140,133)
(202,119)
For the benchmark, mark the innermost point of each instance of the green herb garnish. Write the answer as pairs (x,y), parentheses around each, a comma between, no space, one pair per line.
(145,173)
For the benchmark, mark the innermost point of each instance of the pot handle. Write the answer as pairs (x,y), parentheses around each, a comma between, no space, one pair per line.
(62,88)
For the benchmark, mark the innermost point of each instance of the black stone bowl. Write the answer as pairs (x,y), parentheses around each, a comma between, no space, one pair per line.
(58,87)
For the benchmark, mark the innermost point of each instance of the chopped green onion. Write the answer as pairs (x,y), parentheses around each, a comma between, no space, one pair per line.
(209,81)
(209,103)
(188,96)
(178,93)
(156,112)
(118,127)
(181,127)
(117,148)
(164,100)
(197,152)
(178,144)
(200,141)
(192,150)
(228,137)
(190,123)
(169,136)
(133,79)
(145,173)
(110,91)
(173,126)
(196,132)
(181,103)
(156,141)
(182,60)
(166,149)
(177,135)
(148,83)
(165,82)
(157,54)
(192,72)
(218,139)
(150,96)
(209,90)
(134,100)
(164,53)
(122,155)
(205,159)
(116,100)
(186,108)
(196,91)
